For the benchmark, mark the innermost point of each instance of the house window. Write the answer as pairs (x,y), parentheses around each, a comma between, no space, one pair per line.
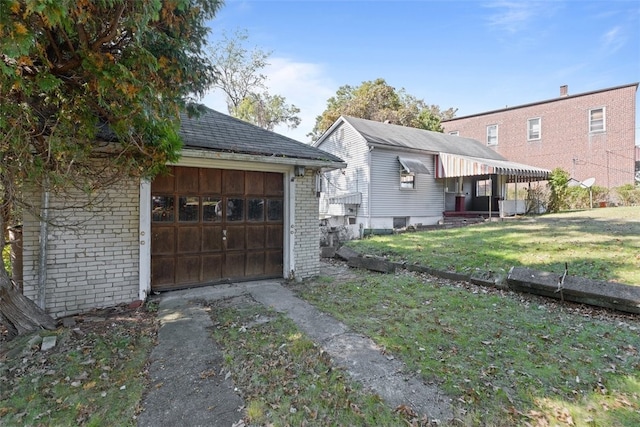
(483,187)
(399,222)
(454,133)
(597,120)
(533,129)
(492,135)
(407,180)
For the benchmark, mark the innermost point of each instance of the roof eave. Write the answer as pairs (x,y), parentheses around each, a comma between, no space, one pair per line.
(253,158)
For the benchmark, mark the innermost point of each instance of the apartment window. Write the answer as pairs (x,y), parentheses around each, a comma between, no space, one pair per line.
(533,129)
(492,135)
(597,120)
(407,180)
(454,133)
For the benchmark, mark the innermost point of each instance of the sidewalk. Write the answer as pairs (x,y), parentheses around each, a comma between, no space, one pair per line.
(189,386)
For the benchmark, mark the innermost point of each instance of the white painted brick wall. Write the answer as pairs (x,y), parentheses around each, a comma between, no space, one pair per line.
(92,258)
(307,241)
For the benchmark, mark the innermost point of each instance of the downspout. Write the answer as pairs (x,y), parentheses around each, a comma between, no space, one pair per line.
(42,255)
(368,225)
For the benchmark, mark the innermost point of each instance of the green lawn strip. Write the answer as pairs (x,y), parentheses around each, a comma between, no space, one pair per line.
(285,379)
(508,360)
(96,380)
(605,247)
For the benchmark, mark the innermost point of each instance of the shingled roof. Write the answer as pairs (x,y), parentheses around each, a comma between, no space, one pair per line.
(419,139)
(216,131)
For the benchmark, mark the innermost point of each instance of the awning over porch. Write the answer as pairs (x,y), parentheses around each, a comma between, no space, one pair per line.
(346,199)
(413,165)
(455,165)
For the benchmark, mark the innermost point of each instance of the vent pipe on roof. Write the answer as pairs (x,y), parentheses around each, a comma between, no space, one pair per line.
(564,90)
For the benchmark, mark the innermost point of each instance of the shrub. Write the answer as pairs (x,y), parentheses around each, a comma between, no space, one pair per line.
(558,185)
(629,195)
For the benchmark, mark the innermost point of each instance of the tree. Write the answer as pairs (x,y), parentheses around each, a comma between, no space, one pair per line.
(558,185)
(91,92)
(245,87)
(268,111)
(376,100)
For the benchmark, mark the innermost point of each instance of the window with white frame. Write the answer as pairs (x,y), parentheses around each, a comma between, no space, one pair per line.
(534,129)
(492,135)
(454,133)
(597,120)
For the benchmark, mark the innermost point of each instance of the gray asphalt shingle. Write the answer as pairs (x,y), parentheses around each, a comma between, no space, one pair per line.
(420,139)
(216,131)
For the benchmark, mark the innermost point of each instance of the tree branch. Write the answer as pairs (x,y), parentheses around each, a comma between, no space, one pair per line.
(111,31)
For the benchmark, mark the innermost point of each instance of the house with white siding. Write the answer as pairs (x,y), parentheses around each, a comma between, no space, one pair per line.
(240,204)
(398,176)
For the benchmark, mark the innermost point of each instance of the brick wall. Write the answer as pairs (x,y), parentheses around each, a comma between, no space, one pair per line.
(307,228)
(92,251)
(565,138)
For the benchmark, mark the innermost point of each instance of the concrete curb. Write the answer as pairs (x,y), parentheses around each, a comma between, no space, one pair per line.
(611,295)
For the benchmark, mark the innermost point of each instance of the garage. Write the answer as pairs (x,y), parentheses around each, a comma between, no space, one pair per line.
(215,225)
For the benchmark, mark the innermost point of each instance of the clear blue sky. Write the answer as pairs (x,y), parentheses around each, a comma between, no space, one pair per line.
(471,55)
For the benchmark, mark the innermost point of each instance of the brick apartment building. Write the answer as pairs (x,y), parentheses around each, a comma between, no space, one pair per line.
(590,135)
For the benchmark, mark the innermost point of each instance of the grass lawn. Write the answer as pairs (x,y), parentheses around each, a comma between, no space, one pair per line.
(94,376)
(506,359)
(601,244)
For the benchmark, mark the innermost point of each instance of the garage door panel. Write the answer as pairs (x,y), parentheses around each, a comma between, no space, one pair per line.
(188,240)
(254,182)
(234,265)
(274,235)
(255,237)
(164,183)
(255,264)
(162,271)
(273,184)
(212,239)
(187,180)
(210,181)
(232,182)
(213,225)
(235,238)
(188,269)
(273,262)
(163,241)
(211,268)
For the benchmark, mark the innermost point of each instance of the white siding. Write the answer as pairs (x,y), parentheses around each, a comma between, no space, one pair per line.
(423,204)
(347,144)
(92,251)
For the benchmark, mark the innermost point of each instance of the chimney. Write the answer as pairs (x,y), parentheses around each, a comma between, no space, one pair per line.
(564,91)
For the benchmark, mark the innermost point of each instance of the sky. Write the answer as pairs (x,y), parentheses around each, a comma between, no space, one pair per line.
(475,56)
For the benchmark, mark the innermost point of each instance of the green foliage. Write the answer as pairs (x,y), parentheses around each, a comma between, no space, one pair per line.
(558,184)
(629,194)
(376,100)
(239,77)
(73,72)
(268,111)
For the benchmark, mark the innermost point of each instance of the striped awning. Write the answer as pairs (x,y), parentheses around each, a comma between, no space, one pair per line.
(346,199)
(454,165)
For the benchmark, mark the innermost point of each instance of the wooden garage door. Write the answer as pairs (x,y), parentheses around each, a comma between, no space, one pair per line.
(215,225)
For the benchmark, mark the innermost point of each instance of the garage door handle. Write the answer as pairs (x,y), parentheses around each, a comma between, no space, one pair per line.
(224,234)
